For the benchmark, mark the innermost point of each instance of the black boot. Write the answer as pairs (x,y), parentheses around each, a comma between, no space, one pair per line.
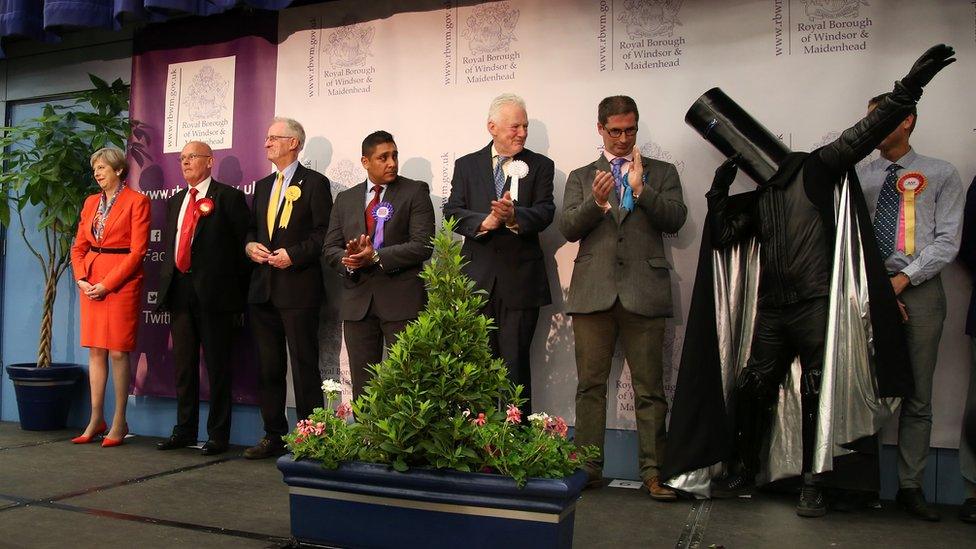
(967,513)
(811,502)
(734,485)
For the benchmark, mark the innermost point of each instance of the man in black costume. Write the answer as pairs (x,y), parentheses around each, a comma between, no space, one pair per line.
(792,215)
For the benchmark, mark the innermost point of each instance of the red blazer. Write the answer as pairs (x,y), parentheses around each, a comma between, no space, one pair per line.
(132,232)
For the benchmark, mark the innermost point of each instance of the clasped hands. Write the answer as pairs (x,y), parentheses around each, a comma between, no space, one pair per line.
(502,214)
(95,292)
(260,254)
(359,253)
(603,183)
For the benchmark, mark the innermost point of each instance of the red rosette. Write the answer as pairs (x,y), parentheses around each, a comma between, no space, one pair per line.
(911,181)
(205,207)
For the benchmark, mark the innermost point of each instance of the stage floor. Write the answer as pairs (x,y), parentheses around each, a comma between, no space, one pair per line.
(56,494)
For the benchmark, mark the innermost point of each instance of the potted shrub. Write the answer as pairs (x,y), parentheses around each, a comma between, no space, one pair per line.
(46,170)
(435,452)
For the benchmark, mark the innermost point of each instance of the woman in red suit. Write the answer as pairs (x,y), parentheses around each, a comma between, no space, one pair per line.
(107,255)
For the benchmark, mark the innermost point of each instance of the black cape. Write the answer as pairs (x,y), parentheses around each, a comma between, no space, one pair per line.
(700,432)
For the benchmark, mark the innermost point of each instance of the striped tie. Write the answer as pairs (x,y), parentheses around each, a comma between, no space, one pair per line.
(500,175)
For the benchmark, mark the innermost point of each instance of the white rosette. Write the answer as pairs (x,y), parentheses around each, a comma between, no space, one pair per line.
(516,169)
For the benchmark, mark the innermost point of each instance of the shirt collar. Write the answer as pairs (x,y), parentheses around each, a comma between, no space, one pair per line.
(202,187)
(289,171)
(370,184)
(610,157)
(494,153)
(905,161)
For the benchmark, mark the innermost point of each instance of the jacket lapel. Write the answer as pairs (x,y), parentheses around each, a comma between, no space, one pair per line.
(120,204)
(358,207)
(212,195)
(487,186)
(297,180)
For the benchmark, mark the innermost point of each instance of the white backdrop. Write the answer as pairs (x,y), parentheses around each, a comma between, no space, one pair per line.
(426,71)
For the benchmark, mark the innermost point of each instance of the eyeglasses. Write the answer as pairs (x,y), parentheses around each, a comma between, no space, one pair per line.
(274,138)
(193,156)
(615,132)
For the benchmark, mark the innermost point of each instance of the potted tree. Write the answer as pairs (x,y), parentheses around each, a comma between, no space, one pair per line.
(46,173)
(435,452)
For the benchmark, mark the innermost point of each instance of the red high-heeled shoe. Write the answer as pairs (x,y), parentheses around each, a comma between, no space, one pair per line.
(112,442)
(99,431)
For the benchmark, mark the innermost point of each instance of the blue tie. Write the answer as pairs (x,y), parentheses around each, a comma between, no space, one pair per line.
(886,216)
(620,182)
(500,176)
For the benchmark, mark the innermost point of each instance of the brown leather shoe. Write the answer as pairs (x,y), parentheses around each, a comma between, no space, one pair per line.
(658,491)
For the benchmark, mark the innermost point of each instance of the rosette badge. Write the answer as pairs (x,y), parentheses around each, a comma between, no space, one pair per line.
(292,193)
(382,212)
(516,169)
(205,207)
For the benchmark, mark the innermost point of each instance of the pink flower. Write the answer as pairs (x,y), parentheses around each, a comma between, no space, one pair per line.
(299,439)
(557,425)
(480,420)
(304,427)
(343,411)
(319,429)
(514,415)
(572,456)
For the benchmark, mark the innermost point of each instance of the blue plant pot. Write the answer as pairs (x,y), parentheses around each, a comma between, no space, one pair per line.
(371,505)
(44,394)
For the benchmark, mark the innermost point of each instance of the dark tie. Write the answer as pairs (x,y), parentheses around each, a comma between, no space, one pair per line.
(186,232)
(886,216)
(370,220)
(500,175)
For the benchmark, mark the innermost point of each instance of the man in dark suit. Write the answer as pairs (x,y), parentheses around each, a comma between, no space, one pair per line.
(289,219)
(617,208)
(379,237)
(501,231)
(202,283)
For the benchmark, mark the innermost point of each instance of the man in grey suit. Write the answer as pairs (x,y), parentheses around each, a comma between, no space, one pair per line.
(617,208)
(379,237)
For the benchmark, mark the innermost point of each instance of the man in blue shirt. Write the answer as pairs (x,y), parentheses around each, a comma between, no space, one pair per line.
(916,203)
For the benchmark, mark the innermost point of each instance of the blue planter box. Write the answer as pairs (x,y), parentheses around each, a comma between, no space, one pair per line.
(44,394)
(370,505)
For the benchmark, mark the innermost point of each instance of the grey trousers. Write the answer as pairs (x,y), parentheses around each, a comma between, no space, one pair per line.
(967,452)
(926,307)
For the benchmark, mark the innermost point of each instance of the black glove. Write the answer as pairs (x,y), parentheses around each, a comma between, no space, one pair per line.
(725,174)
(927,66)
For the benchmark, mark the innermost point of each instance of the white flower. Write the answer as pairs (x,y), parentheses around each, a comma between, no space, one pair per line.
(538,416)
(331,386)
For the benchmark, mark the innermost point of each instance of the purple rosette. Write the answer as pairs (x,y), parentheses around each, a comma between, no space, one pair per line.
(382,213)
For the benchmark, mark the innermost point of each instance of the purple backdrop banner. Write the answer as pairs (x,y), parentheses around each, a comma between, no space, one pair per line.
(212,81)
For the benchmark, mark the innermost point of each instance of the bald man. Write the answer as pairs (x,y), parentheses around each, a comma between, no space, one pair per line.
(203,283)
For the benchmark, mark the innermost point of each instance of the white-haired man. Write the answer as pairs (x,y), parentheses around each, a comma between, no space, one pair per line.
(501,226)
(289,220)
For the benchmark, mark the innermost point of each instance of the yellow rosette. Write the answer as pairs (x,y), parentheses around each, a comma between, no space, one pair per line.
(910,185)
(292,194)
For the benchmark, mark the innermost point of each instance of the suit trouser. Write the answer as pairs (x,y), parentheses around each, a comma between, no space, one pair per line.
(967,442)
(298,328)
(365,340)
(192,328)
(642,337)
(512,342)
(926,312)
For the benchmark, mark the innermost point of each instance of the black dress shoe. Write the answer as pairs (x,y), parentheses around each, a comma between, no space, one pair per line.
(174,442)
(265,449)
(212,448)
(913,501)
(967,513)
